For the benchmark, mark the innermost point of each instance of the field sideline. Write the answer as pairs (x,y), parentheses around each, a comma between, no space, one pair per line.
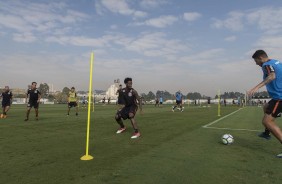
(173,147)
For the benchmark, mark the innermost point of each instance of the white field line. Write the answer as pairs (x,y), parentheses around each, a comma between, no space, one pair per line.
(211,123)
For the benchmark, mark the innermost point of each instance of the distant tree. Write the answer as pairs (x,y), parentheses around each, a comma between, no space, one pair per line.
(66,90)
(44,90)
(149,96)
(165,94)
(231,95)
(194,95)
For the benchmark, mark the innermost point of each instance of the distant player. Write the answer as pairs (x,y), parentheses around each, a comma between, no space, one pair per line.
(7,97)
(272,79)
(161,100)
(157,102)
(72,101)
(33,95)
(84,102)
(130,99)
(178,103)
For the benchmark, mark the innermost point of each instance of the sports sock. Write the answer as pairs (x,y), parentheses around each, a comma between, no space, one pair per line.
(267,132)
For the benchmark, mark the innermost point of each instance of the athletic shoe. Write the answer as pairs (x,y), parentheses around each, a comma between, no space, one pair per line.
(2,115)
(172,109)
(76,114)
(264,135)
(121,130)
(279,155)
(135,135)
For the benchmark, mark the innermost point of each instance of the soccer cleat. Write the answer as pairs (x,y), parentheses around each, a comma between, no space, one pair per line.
(76,114)
(121,130)
(279,155)
(135,135)
(264,135)
(2,115)
(172,109)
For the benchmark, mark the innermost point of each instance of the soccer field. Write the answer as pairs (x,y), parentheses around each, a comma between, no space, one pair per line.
(174,147)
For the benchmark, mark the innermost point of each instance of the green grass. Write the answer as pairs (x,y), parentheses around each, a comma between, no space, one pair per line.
(173,148)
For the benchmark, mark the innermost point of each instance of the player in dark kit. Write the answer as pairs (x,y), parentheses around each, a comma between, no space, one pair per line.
(272,79)
(130,98)
(7,97)
(34,96)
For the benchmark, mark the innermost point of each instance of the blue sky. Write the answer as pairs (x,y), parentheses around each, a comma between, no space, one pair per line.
(192,46)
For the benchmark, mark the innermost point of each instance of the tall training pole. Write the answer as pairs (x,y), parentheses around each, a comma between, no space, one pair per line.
(87,156)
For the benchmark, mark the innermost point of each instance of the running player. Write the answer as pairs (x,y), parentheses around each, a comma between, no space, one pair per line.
(7,97)
(179,98)
(84,102)
(34,96)
(130,98)
(272,79)
(72,101)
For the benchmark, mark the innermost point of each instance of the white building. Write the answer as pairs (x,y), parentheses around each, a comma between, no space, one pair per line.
(111,92)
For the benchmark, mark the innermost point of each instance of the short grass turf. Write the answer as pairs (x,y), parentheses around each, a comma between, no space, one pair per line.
(173,147)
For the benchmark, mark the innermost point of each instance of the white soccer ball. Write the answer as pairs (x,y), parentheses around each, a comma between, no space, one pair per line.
(227,139)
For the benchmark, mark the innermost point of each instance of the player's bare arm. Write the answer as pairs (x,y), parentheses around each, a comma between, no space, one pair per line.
(267,80)
(39,97)
(139,99)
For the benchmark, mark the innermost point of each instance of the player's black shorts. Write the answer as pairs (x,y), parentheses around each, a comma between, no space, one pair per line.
(120,101)
(124,112)
(72,104)
(161,102)
(6,103)
(274,108)
(178,102)
(33,104)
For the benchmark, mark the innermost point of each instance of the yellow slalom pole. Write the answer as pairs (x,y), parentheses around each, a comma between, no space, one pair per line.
(218,107)
(87,156)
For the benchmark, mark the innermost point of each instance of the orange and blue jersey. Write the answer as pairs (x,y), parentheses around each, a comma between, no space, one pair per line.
(274,88)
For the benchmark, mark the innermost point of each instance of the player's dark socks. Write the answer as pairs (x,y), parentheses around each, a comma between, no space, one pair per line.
(266,132)
(5,113)
(120,123)
(76,114)
(136,130)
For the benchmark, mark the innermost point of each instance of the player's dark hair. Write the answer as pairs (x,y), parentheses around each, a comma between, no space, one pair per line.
(33,83)
(72,88)
(259,53)
(127,79)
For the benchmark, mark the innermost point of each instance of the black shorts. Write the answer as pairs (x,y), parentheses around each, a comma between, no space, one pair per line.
(124,112)
(161,102)
(72,104)
(178,102)
(33,104)
(120,101)
(274,108)
(6,104)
